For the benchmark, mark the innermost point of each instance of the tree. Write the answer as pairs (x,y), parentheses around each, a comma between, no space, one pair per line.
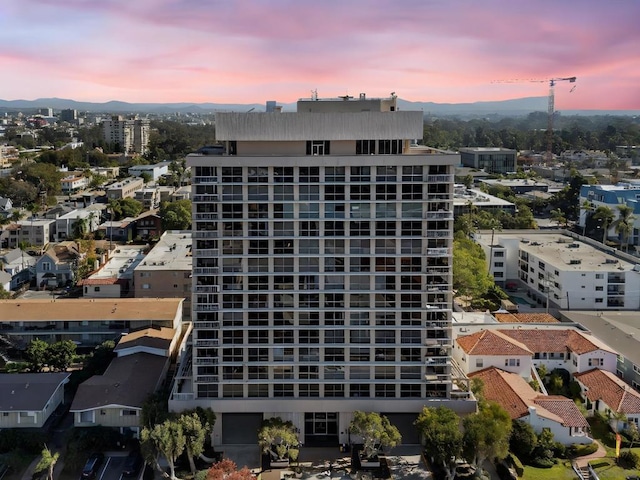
(227,470)
(624,224)
(523,440)
(486,434)
(470,275)
(194,433)
(559,217)
(79,228)
(166,439)
(47,462)
(125,207)
(606,216)
(61,354)
(37,354)
(155,410)
(276,434)
(441,436)
(4,294)
(376,431)
(176,215)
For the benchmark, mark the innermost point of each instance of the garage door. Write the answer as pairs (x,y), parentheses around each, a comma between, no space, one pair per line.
(404,423)
(240,428)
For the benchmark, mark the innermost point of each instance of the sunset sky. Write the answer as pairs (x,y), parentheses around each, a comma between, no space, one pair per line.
(250,51)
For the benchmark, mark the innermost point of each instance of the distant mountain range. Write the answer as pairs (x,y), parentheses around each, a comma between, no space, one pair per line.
(514,107)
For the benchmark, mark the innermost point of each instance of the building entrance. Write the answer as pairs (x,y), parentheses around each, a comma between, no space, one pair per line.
(320,429)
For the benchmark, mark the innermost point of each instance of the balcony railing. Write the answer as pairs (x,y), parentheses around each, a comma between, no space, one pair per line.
(207,307)
(205,234)
(205,180)
(207,288)
(205,216)
(438,215)
(207,343)
(204,325)
(207,378)
(206,361)
(439,178)
(439,252)
(437,378)
(439,234)
(205,198)
(207,252)
(206,270)
(437,361)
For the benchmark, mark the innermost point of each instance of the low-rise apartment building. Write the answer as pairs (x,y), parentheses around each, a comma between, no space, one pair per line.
(125,189)
(559,271)
(166,271)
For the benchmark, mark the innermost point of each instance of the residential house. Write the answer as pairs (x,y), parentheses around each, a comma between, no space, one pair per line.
(33,232)
(567,349)
(115,399)
(6,207)
(5,280)
(113,276)
(84,218)
(149,198)
(558,414)
(57,266)
(118,230)
(608,394)
(27,400)
(74,183)
(154,171)
(489,348)
(148,225)
(18,264)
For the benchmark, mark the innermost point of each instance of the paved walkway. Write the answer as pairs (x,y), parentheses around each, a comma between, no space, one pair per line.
(582,462)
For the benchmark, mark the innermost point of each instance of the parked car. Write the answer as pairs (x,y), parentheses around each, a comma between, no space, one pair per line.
(91,468)
(132,464)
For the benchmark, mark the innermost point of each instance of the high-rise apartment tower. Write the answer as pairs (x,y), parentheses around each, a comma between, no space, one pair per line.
(322,243)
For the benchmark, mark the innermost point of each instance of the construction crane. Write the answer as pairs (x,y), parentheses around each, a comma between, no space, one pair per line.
(551,105)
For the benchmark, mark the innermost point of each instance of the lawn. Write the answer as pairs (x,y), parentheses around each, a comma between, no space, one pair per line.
(561,471)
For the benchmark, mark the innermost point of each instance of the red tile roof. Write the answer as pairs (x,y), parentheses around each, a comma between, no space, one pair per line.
(605,386)
(492,342)
(556,341)
(515,395)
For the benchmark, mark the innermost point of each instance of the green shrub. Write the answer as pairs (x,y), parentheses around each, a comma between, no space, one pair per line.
(515,462)
(628,459)
(542,462)
(29,440)
(577,450)
(559,450)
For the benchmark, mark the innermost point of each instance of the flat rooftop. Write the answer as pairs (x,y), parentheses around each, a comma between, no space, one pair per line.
(90,309)
(172,252)
(562,251)
(462,196)
(124,259)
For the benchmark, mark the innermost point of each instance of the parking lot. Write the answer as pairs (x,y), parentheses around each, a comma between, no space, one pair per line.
(112,467)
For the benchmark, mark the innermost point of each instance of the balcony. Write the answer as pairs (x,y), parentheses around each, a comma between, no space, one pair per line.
(437,378)
(210,342)
(206,361)
(207,289)
(439,215)
(207,252)
(207,307)
(439,234)
(205,216)
(437,197)
(205,180)
(439,252)
(441,342)
(206,325)
(440,178)
(205,234)
(207,379)
(205,270)
(207,198)
(437,361)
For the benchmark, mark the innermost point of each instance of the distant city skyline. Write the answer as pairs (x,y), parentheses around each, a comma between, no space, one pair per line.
(229,51)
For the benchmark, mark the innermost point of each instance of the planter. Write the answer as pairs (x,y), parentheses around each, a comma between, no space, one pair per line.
(370,462)
(280,463)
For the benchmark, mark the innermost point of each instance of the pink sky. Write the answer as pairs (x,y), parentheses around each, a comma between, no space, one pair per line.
(250,51)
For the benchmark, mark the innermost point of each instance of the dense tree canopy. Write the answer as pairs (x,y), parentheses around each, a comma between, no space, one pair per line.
(376,431)
(470,274)
(442,437)
(176,215)
(486,433)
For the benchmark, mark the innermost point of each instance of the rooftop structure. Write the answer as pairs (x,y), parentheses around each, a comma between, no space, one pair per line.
(489,159)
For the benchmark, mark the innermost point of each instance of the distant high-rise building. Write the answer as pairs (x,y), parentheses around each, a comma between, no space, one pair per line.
(322,256)
(127,135)
(46,112)
(68,115)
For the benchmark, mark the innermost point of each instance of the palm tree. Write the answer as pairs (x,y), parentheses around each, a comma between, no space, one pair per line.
(47,462)
(605,214)
(624,224)
(558,216)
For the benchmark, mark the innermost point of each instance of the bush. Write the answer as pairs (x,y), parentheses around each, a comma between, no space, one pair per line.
(577,450)
(29,440)
(559,450)
(515,462)
(628,459)
(542,462)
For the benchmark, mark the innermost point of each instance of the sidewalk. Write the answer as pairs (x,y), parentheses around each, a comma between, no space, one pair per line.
(582,462)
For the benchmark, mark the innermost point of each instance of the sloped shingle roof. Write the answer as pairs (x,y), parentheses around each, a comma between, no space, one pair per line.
(28,391)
